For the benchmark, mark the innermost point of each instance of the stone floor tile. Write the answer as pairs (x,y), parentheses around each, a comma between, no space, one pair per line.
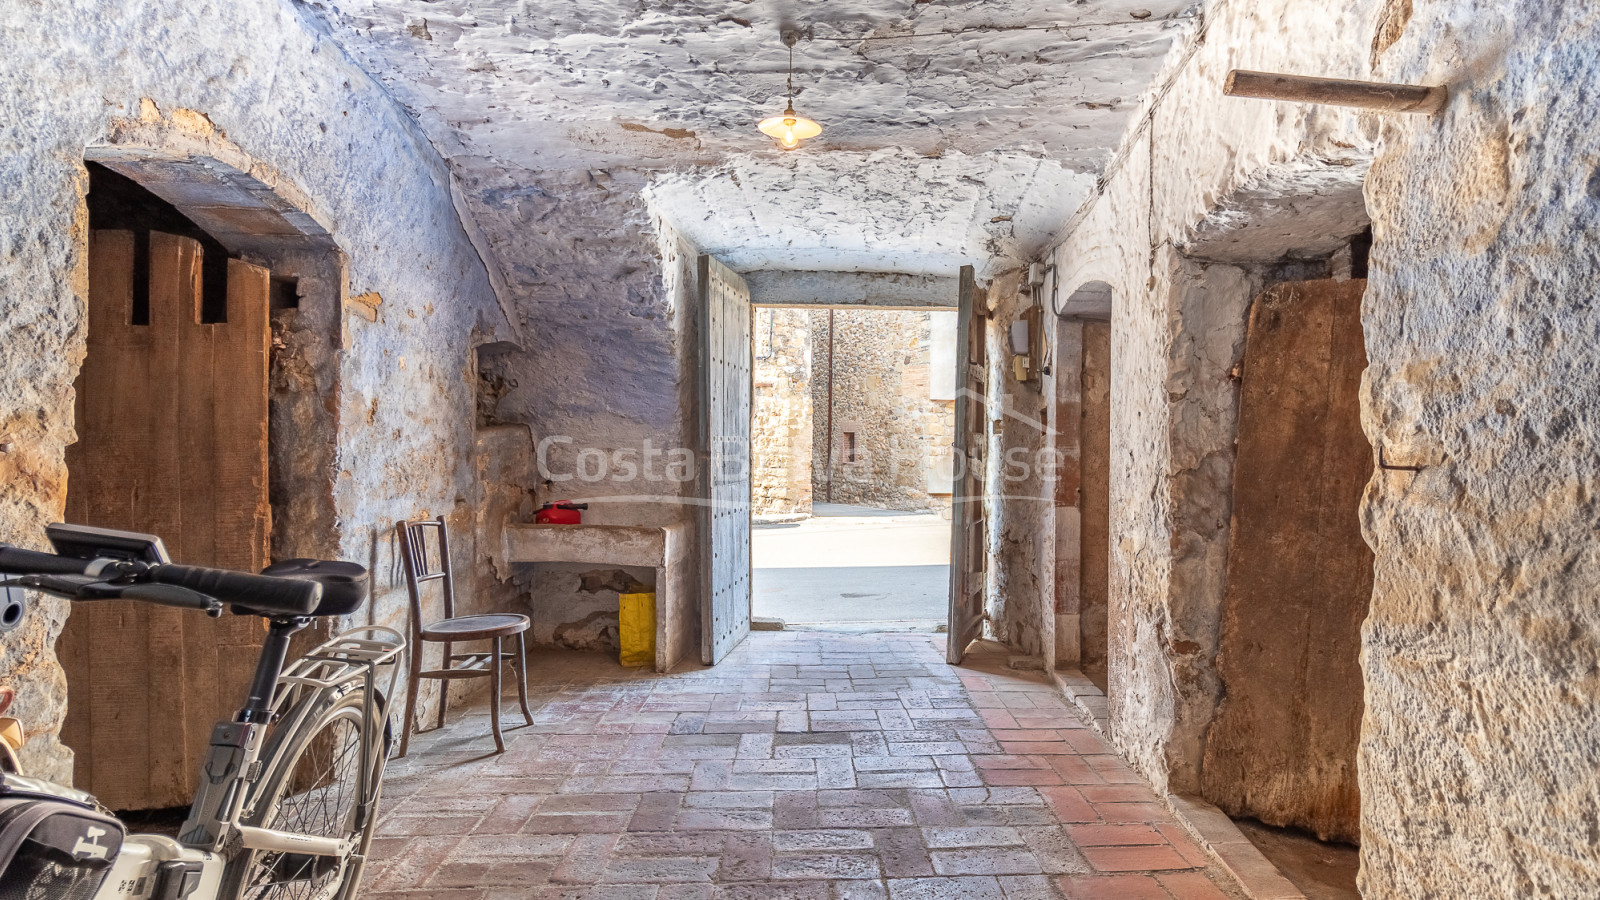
(789,890)
(1142,858)
(1054,849)
(857,890)
(493,874)
(729,799)
(984,862)
(496,847)
(970,888)
(660,869)
(1112,887)
(980,836)
(746,857)
(857,817)
(684,892)
(828,866)
(724,820)
(1026,887)
(821,839)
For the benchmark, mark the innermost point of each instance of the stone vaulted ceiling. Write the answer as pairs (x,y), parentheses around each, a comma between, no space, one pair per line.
(954,131)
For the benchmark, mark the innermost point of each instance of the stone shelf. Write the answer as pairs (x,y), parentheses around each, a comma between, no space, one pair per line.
(666,549)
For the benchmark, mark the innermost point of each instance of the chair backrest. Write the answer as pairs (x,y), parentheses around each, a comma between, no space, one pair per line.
(423,565)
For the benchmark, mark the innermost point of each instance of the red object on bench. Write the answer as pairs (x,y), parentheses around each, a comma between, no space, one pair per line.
(561,512)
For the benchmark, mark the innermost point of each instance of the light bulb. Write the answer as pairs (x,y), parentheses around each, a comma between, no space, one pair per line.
(788,140)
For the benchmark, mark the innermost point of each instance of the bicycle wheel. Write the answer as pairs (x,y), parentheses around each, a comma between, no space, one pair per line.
(311,785)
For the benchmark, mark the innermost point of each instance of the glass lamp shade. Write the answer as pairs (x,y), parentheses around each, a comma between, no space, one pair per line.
(789,129)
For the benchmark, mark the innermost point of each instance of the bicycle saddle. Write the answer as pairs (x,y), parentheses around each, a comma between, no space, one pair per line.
(344,584)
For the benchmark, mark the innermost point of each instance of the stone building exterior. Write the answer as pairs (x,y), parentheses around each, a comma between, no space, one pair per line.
(781,414)
(889,435)
(891,415)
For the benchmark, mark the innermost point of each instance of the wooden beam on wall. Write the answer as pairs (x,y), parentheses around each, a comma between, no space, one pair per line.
(1374,95)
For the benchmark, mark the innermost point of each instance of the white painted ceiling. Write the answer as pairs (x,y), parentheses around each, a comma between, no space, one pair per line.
(955,132)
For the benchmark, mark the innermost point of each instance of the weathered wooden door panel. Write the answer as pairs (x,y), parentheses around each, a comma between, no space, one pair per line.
(171,420)
(1283,746)
(967,540)
(725,373)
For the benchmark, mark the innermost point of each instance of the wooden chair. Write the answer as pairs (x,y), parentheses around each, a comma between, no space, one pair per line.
(422,567)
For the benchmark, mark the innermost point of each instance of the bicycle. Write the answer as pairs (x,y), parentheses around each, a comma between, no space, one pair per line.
(289,792)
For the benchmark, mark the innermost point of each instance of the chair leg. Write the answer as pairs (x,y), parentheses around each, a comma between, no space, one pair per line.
(444,685)
(521,662)
(494,697)
(408,724)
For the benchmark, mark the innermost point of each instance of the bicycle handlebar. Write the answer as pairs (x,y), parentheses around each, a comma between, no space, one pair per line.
(17,561)
(189,587)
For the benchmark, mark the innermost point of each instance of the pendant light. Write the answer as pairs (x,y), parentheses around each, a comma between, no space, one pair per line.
(790,128)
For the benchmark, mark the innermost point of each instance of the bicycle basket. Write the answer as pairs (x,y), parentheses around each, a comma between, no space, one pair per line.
(52,846)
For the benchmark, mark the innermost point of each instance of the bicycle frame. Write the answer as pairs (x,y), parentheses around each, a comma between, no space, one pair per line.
(234,761)
(292,697)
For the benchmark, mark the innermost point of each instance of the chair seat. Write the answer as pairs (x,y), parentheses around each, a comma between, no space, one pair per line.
(468,628)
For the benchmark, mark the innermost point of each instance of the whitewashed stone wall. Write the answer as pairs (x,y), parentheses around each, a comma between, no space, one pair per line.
(1479,764)
(1177,230)
(1478,767)
(252,82)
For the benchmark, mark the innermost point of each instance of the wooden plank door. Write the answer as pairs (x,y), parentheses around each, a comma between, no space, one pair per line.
(725,378)
(172,426)
(1283,746)
(967,550)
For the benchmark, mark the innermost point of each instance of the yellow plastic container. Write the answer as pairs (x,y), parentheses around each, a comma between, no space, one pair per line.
(637,618)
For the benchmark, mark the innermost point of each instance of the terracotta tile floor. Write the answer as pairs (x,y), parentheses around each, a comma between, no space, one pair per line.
(808,766)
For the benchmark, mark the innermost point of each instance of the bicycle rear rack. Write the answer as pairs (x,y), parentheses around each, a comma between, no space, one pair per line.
(344,658)
(341,659)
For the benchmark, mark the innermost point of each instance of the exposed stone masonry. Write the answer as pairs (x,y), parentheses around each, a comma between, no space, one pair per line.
(881,375)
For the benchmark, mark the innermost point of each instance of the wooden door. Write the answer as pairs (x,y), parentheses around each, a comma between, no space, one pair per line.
(725,381)
(1283,746)
(967,551)
(172,440)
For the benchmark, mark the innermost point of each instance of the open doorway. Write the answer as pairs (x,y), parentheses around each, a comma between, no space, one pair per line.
(853,421)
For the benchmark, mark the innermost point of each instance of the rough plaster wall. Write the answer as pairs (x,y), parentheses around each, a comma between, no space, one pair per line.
(604,378)
(780,428)
(1482,650)
(1022,477)
(1188,178)
(880,373)
(278,92)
